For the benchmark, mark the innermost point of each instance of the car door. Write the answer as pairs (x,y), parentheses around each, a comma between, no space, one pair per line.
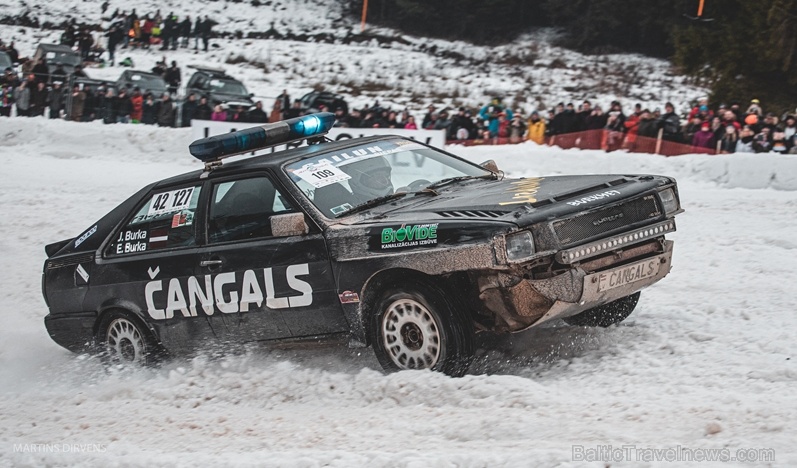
(265,286)
(149,265)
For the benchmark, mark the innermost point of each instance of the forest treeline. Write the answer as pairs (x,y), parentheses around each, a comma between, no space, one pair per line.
(742,48)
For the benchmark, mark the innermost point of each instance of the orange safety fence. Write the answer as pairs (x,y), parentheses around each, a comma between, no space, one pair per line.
(602,140)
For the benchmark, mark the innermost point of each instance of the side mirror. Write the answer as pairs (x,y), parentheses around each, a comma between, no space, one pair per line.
(490,165)
(290,224)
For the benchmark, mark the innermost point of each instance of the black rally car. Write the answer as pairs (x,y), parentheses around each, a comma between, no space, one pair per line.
(383,240)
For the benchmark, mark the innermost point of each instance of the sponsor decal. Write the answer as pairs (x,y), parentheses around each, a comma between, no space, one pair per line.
(349,297)
(413,235)
(341,208)
(525,191)
(85,235)
(131,241)
(595,197)
(627,275)
(607,219)
(182,219)
(226,293)
(83,273)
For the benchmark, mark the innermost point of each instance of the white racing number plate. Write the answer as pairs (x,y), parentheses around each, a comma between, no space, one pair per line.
(627,275)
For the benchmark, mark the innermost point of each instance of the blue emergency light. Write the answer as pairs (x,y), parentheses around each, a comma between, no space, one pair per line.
(263,136)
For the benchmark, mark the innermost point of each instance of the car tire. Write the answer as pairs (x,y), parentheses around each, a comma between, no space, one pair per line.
(124,340)
(416,327)
(607,314)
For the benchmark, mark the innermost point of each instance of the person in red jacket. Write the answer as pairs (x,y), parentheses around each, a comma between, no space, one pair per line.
(632,127)
(137,101)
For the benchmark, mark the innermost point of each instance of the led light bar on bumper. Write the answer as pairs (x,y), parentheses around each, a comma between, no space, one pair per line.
(619,241)
(262,136)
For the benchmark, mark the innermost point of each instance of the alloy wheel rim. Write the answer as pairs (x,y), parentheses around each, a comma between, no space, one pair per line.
(411,335)
(124,342)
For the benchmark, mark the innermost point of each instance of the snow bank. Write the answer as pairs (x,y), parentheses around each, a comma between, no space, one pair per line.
(69,140)
(706,360)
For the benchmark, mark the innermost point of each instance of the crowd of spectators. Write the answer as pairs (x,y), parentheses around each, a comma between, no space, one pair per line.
(720,129)
(724,129)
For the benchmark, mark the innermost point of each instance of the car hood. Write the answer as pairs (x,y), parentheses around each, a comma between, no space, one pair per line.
(520,201)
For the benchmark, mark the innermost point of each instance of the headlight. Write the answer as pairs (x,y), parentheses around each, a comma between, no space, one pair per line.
(519,246)
(668,200)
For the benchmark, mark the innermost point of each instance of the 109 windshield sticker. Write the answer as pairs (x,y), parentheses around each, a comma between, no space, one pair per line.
(321,174)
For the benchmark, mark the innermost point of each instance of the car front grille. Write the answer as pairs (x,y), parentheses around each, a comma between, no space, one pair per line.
(609,220)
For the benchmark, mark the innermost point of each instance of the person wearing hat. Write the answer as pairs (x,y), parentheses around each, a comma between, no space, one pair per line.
(704,139)
(790,126)
(755,108)
(536,128)
(670,123)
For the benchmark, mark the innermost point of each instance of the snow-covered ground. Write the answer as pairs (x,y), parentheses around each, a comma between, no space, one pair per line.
(397,70)
(705,362)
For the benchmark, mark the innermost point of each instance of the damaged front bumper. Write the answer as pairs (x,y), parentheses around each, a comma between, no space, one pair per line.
(519,303)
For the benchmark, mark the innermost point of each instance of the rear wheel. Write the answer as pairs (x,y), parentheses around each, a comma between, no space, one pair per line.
(126,341)
(416,327)
(607,314)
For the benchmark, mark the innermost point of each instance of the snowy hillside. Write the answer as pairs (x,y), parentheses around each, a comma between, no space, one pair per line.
(325,50)
(705,362)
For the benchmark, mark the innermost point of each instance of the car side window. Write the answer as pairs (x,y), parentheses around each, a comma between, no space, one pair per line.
(242,209)
(165,220)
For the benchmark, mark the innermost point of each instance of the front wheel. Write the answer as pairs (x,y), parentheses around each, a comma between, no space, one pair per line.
(416,327)
(124,340)
(607,314)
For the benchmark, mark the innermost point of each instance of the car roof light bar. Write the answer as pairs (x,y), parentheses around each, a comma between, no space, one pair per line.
(212,149)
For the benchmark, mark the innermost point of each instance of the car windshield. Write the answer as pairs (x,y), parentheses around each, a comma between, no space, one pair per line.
(67,58)
(339,182)
(5,61)
(148,82)
(228,87)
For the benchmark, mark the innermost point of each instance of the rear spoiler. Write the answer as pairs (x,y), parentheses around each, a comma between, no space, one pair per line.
(52,249)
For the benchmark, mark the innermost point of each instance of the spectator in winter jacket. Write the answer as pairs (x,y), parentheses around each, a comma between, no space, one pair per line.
(78,100)
(38,99)
(219,114)
(41,72)
(124,107)
(596,119)
(779,143)
(536,128)
(184,31)
(111,107)
(257,115)
(149,110)
(6,100)
(55,100)
(172,77)
(517,128)
(411,125)
(632,127)
(704,139)
(692,127)
(136,105)
(462,127)
(755,108)
(670,123)
(59,74)
(582,116)
(702,109)
(165,112)
(22,99)
(762,142)
(789,126)
(729,140)
(647,125)
(745,142)
(203,110)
